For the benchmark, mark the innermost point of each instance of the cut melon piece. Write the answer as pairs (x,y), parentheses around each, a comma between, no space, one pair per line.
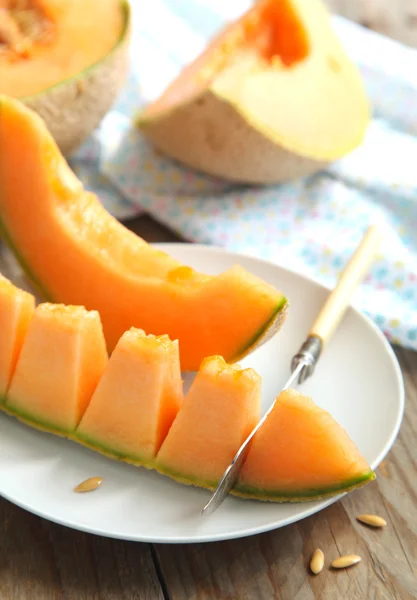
(218,413)
(16,311)
(273,97)
(66,59)
(300,453)
(136,400)
(62,359)
(76,253)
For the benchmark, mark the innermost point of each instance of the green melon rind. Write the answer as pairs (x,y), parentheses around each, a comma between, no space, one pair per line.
(244,491)
(33,421)
(94,444)
(185,479)
(267,331)
(251,493)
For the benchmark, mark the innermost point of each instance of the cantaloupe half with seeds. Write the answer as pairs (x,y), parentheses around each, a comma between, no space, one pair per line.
(137,399)
(66,59)
(61,361)
(76,253)
(273,97)
(300,453)
(219,412)
(16,311)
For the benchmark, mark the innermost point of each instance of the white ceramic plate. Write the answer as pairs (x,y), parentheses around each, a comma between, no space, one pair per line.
(358,380)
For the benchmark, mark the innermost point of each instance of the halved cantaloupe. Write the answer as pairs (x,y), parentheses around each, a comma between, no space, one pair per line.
(300,453)
(61,361)
(66,59)
(218,413)
(76,253)
(273,97)
(137,399)
(16,311)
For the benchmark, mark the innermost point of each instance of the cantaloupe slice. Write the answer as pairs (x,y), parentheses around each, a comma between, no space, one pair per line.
(137,399)
(130,408)
(219,411)
(273,97)
(61,361)
(16,311)
(301,453)
(76,253)
(67,59)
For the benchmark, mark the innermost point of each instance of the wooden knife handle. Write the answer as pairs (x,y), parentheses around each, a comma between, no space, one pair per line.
(353,274)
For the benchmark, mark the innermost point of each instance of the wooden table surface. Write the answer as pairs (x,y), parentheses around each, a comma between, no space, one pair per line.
(43,561)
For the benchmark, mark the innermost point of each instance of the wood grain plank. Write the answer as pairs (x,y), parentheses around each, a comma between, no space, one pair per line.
(41,560)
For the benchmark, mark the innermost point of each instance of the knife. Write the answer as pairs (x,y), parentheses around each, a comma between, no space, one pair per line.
(304,361)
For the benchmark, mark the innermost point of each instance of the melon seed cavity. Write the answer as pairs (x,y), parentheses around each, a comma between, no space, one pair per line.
(89,485)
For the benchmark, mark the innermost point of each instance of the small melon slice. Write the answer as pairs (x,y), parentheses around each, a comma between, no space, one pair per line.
(301,453)
(219,411)
(16,311)
(76,253)
(61,362)
(273,97)
(66,59)
(136,400)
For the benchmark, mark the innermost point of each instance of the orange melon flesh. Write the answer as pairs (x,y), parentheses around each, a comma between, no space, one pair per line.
(76,253)
(136,400)
(301,453)
(219,411)
(43,42)
(61,361)
(283,69)
(16,311)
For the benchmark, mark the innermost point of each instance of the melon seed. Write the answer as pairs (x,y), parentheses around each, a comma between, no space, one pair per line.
(343,562)
(317,561)
(372,520)
(89,485)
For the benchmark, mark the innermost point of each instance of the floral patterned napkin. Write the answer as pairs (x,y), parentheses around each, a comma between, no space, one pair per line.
(311,225)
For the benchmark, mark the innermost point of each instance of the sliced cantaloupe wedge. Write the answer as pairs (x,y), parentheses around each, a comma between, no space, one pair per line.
(137,399)
(273,97)
(16,311)
(61,361)
(219,411)
(76,253)
(130,408)
(300,453)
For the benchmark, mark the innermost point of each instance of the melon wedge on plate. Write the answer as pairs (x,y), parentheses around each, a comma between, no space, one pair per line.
(62,359)
(16,311)
(137,399)
(77,253)
(219,411)
(301,453)
(273,97)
